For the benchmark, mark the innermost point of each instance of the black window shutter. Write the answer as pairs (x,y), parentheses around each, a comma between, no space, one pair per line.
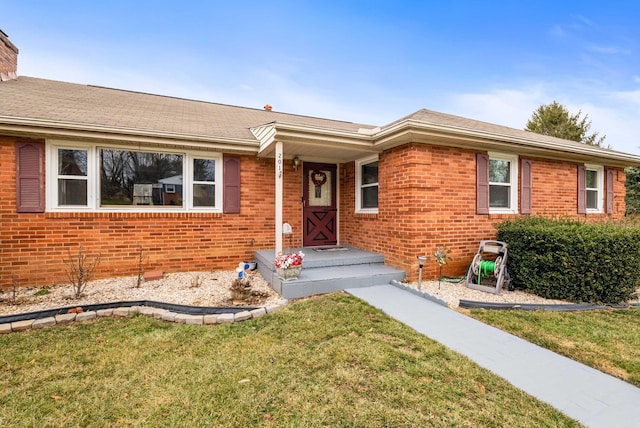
(609,176)
(30,177)
(231,182)
(582,189)
(525,186)
(482,183)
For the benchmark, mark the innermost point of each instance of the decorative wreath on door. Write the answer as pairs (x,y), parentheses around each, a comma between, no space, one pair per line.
(318,178)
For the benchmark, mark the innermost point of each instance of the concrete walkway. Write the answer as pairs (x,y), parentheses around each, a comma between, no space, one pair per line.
(591,397)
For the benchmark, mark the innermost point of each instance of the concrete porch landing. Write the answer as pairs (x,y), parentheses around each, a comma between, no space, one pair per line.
(328,271)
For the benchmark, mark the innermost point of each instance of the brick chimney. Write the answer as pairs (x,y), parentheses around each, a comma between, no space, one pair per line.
(8,58)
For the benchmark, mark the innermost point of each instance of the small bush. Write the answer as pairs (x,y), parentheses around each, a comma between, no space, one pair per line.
(80,270)
(572,260)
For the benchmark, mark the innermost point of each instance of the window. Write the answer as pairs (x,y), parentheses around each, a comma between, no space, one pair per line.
(204,182)
(594,188)
(114,178)
(130,177)
(367,185)
(503,183)
(72,178)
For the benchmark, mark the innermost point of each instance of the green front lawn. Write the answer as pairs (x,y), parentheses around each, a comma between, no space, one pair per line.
(330,361)
(607,340)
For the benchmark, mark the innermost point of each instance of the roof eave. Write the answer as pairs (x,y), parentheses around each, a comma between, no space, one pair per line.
(415,131)
(353,144)
(53,129)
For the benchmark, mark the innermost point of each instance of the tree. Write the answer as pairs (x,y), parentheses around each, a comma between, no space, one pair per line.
(555,120)
(632,185)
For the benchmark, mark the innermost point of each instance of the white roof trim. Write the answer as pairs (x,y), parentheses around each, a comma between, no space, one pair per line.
(486,140)
(50,128)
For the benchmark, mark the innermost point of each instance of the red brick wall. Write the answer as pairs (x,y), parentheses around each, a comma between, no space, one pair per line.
(427,199)
(33,246)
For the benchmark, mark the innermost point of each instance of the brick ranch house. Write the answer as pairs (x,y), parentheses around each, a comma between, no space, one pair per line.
(202,185)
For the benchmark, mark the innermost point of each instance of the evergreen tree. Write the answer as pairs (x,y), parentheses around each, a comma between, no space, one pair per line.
(556,121)
(632,198)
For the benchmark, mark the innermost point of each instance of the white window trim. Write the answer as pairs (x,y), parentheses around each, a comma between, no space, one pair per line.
(52,176)
(93,178)
(513,179)
(188,187)
(600,183)
(359,163)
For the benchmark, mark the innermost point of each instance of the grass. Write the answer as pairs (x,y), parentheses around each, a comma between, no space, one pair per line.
(607,340)
(329,361)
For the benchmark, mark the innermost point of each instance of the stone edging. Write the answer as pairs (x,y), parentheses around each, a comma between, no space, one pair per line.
(129,311)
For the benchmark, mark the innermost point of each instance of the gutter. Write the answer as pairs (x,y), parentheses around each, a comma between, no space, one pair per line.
(49,128)
(410,127)
(370,140)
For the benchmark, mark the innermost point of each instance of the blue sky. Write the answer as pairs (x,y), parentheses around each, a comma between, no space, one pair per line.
(363,61)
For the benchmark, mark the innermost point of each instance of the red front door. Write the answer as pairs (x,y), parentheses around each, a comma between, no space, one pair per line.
(320,220)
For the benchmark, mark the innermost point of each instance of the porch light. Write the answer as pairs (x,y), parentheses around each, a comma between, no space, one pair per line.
(421,260)
(296,163)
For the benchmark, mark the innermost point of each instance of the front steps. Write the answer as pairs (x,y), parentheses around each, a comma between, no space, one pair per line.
(328,271)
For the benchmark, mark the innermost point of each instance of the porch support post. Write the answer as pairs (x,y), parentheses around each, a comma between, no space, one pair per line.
(279,179)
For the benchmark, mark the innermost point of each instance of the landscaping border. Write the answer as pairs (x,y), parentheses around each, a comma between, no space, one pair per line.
(569,307)
(182,314)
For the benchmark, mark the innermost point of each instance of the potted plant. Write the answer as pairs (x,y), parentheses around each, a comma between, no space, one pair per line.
(289,266)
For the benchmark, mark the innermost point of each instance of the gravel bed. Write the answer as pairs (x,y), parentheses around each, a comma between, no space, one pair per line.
(187,288)
(453,293)
(212,289)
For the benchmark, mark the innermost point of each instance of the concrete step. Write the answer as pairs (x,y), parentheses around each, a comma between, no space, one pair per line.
(316,259)
(328,271)
(323,280)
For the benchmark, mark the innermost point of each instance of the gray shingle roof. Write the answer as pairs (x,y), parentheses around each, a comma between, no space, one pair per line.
(437,118)
(33,98)
(68,106)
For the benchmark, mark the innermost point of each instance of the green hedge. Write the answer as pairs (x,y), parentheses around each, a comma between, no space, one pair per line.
(572,260)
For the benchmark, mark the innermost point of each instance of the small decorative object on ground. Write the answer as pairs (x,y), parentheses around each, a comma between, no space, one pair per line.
(441,255)
(289,266)
(240,289)
(241,286)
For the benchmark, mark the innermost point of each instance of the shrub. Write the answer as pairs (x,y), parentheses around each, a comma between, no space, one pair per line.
(572,260)
(80,270)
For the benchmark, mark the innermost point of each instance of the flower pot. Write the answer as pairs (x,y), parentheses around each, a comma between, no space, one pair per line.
(288,274)
(250,264)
